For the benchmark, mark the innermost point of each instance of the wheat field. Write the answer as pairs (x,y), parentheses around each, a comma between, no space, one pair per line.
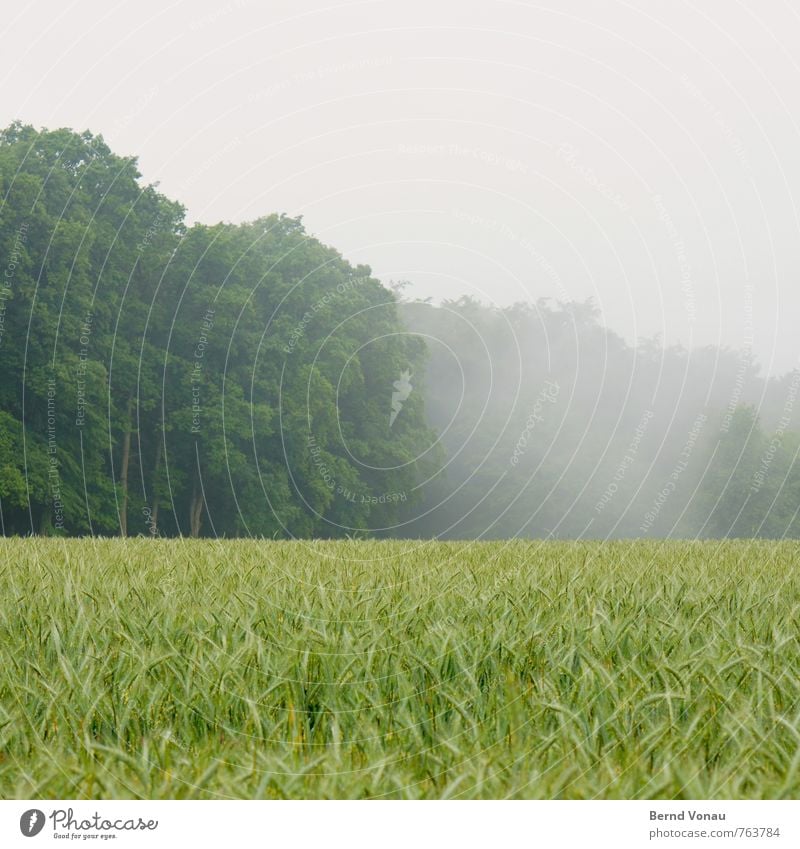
(244,669)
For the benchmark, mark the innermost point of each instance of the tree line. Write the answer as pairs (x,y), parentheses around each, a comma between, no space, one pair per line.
(553,425)
(246,380)
(162,379)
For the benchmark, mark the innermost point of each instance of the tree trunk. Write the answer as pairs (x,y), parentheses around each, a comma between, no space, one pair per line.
(46,520)
(156,470)
(196,509)
(123,474)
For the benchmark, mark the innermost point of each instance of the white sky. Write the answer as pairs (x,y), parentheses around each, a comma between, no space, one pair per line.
(646,153)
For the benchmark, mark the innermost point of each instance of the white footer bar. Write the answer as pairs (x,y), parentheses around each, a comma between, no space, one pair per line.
(405,825)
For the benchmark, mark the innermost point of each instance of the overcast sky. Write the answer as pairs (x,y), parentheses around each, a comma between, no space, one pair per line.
(646,153)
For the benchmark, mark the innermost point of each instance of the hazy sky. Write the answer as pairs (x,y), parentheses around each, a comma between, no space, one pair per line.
(646,154)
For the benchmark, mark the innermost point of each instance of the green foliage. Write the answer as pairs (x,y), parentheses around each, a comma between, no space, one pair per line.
(235,380)
(166,381)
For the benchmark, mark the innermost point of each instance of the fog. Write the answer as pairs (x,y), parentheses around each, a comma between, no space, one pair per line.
(643,155)
(554,427)
(587,213)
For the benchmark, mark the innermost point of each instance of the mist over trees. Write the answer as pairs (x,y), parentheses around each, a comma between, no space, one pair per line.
(554,426)
(236,380)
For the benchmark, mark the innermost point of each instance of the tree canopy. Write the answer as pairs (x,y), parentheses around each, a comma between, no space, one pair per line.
(165,379)
(246,380)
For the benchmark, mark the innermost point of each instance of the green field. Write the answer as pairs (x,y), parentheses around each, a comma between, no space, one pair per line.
(177,669)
